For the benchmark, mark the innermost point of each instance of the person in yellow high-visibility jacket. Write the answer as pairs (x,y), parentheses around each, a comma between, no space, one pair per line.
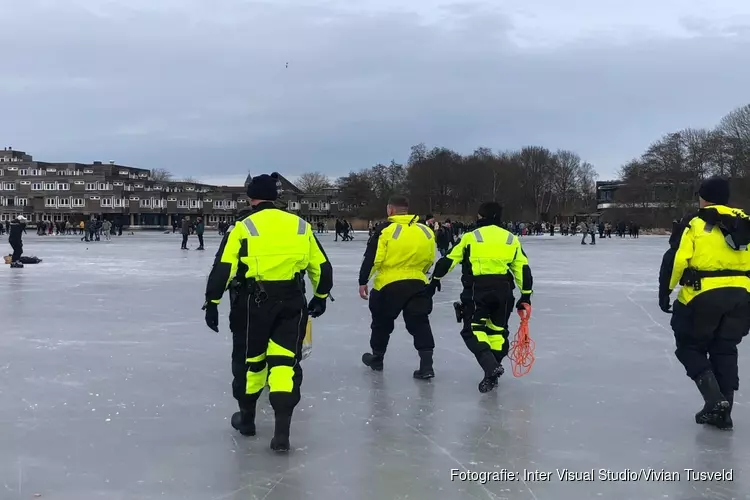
(399,254)
(491,258)
(709,257)
(264,256)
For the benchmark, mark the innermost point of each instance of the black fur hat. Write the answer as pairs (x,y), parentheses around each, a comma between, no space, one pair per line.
(264,187)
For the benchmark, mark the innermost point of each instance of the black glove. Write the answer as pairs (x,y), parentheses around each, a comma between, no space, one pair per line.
(212,315)
(525,299)
(316,307)
(432,286)
(665,303)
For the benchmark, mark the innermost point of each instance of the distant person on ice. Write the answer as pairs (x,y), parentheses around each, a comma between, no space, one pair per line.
(15,238)
(708,255)
(185,232)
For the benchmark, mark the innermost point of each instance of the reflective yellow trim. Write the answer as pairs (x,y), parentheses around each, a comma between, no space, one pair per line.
(280,379)
(494,327)
(321,295)
(479,334)
(526,292)
(255,359)
(275,349)
(256,381)
(496,341)
(215,301)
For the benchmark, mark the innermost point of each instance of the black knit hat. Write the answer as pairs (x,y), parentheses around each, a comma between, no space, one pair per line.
(490,210)
(264,187)
(715,190)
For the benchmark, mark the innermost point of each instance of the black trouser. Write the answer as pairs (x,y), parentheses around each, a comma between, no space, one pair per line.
(184,240)
(707,332)
(267,346)
(407,297)
(17,250)
(487,310)
(593,238)
(200,240)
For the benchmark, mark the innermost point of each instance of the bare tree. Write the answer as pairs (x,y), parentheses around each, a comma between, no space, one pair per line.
(161,174)
(189,179)
(567,168)
(313,182)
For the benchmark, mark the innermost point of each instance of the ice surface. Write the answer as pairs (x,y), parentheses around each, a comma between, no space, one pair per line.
(112,387)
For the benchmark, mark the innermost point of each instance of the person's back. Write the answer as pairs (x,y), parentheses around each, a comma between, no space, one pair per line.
(186,227)
(406,250)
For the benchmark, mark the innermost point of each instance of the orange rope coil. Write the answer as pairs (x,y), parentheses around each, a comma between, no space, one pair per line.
(522,347)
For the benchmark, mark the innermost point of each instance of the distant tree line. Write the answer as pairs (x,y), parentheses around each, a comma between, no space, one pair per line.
(663,181)
(532,183)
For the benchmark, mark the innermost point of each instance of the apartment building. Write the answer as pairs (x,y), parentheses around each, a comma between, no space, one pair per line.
(75,191)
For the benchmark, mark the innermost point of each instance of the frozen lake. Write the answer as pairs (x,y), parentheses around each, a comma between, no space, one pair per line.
(112,387)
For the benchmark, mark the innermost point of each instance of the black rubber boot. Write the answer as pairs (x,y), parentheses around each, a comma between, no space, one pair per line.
(425,371)
(374,360)
(280,441)
(244,421)
(716,405)
(16,264)
(726,424)
(490,381)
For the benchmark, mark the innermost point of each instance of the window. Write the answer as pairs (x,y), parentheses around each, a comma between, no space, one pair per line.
(23,171)
(158,187)
(12,169)
(124,172)
(64,202)
(106,202)
(189,188)
(1,171)
(128,187)
(118,183)
(293,205)
(213,219)
(219,204)
(50,186)
(104,187)
(93,197)
(79,183)
(9,186)
(195,203)
(79,202)
(139,186)
(63,186)
(207,200)
(134,198)
(50,202)
(22,202)
(91,186)
(25,183)
(182,203)
(171,198)
(143,174)
(51,170)
(146,203)
(88,171)
(314,205)
(118,202)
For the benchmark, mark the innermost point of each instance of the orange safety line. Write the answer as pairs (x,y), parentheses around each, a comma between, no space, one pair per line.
(522,348)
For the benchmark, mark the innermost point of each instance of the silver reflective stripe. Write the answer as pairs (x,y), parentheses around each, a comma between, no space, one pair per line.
(478,236)
(397,232)
(509,241)
(708,228)
(425,231)
(250,225)
(229,229)
(302,227)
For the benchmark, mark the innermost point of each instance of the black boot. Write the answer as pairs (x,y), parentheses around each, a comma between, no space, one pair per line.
(280,441)
(726,424)
(374,360)
(490,380)
(425,366)
(244,421)
(716,405)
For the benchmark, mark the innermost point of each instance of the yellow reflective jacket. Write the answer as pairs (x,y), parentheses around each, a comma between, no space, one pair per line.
(696,244)
(401,249)
(270,245)
(489,250)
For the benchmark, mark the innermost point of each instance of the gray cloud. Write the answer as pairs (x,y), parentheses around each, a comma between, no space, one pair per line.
(201,87)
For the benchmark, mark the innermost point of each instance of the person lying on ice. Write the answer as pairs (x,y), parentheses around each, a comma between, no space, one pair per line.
(491,257)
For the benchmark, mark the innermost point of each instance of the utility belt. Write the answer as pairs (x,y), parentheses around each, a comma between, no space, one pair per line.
(692,277)
(489,282)
(261,291)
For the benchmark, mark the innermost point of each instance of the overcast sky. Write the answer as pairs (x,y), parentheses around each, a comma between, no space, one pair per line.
(201,87)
